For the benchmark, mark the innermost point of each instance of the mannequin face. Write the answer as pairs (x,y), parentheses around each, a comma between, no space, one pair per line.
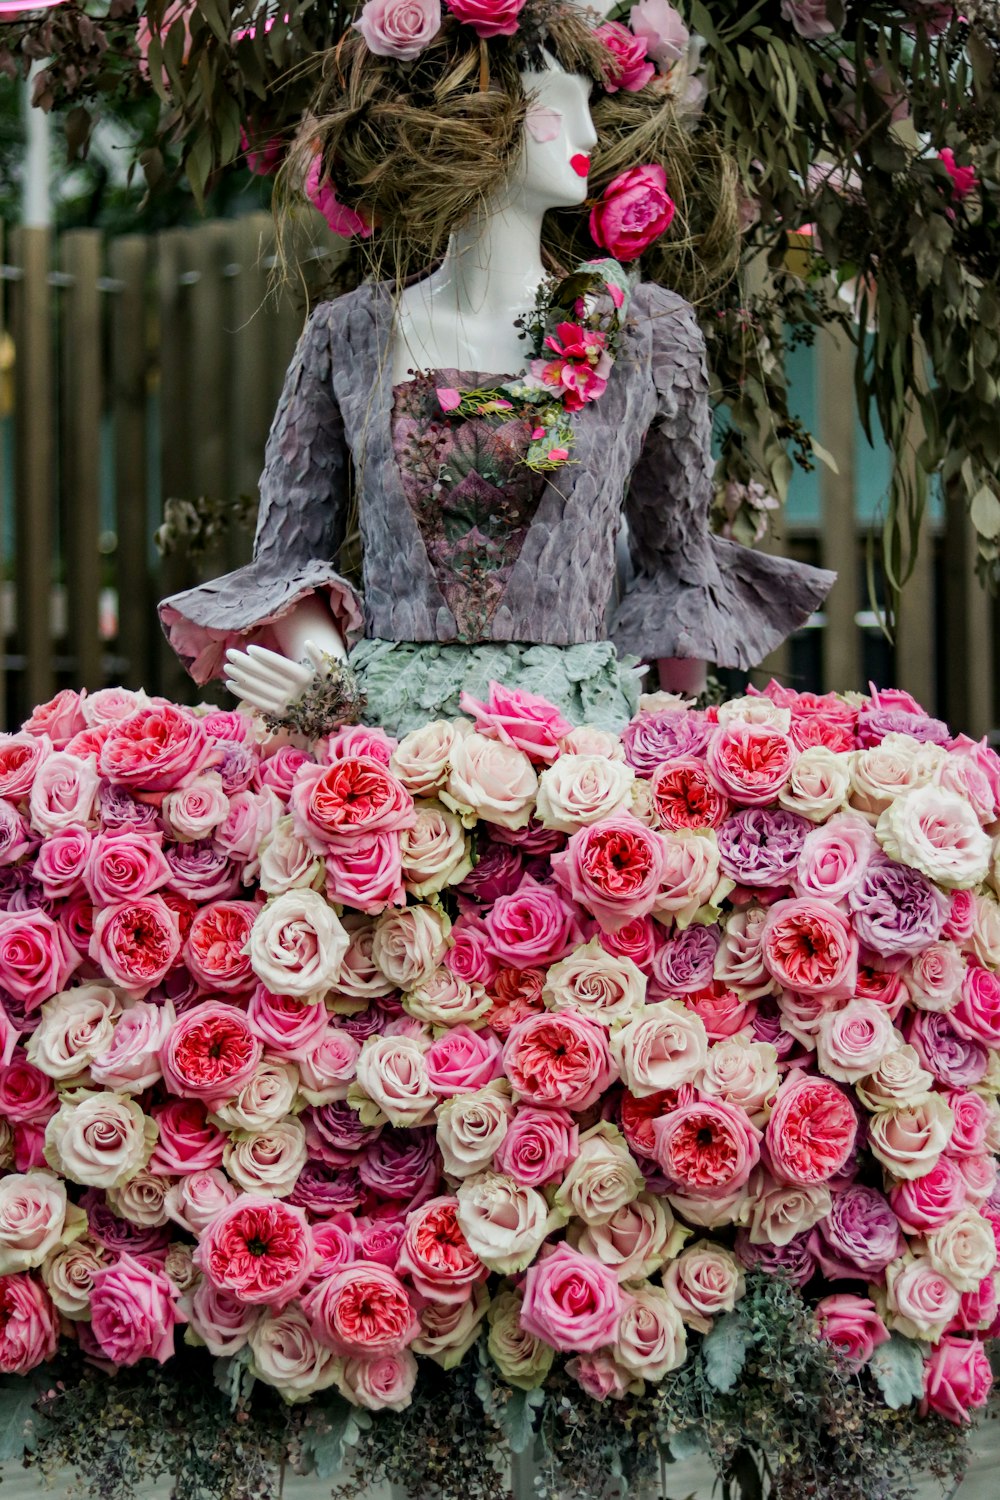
(559,136)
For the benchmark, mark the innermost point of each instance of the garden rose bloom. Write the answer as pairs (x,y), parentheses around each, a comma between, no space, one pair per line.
(858,1237)
(853,1041)
(809,948)
(934,977)
(215,947)
(448,1331)
(704,1281)
(743,1072)
(899,1079)
(187,1141)
(352,796)
(298,944)
(634,210)
(136,943)
(818,784)
(436,1256)
(739,959)
(812,1130)
(632,71)
(365,871)
(125,864)
(268,1161)
(750,763)
(63,792)
(532,927)
(599,986)
(602,1178)
(286,1354)
(504,1222)
(36,956)
(134,1312)
(362,1310)
(613,868)
(219,1321)
(571,1302)
(99,1140)
(852,1325)
(651,1337)
(195,810)
(199,1197)
(69,1273)
(446,1000)
(690,877)
(957,1379)
(421,759)
(706,1148)
(909,1141)
(561,1060)
(512,715)
(155,749)
(29,1327)
(471,1128)
(685,796)
(211,1052)
(392,1073)
(938,833)
(834,857)
(258,1250)
(496,782)
(20,757)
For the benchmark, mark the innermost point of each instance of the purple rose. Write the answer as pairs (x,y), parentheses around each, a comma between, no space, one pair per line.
(498,872)
(808,17)
(237,767)
(15,835)
(896,911)
(760,846)
(532,840)
(201,871)
(399,28)
(684,963)
(875,723)
(650,739)
(119,1235)
(181,988)
(324,1191)
(402,1164)
(768,1026)
(332,1129)
(956,1061)
(794,1260)
(22,1017)
(858,1237)
(119,810)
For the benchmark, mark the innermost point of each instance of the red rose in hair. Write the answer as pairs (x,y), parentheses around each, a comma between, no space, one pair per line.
(634,210)
(685,796)
(215,950)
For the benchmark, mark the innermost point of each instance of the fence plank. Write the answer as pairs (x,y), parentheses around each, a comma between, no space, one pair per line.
(34,510)
(129,264)
(838,541)
(209,352)
(967,614)
(80,476)
(177,475)
(252,408)
(5,502)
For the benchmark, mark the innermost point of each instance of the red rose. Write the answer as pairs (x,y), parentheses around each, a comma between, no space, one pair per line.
(436,1256)
(215,950)
(156,749)
(362,1309)
(211,1052)
(355,795)
(259,1250)
(684,795)
(812,1130)
(635,210)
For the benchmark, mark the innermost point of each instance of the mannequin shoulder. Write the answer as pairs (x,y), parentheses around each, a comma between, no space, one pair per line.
(672,322)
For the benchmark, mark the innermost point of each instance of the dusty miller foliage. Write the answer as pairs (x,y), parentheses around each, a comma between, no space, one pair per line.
(773,1408)
(841,132)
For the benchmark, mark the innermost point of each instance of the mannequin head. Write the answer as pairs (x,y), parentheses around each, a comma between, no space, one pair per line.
(557,137)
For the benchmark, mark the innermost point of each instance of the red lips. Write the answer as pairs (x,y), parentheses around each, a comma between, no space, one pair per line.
(580,164)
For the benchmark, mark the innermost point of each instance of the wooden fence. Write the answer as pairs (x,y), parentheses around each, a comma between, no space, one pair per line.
(148,368)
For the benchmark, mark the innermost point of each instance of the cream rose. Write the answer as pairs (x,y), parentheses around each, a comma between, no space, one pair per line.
(449,1330)
(985,939)
(196,810)
(267,1098)
(69,1274)
(899,1080)
(739,961)
(141,1200)
(445,1000)
(286,1354)
(504,1222)
(691,874)
(392,1082)
(602,1178)
(492,781)
(755,710)
(422,759)
(853,1040)
(651,1334)
(743,1072)
(964,1250)
(934,977)
(435,851)
(267,1161)
(777,1212)
(897,764)
(662,1047)
(918,1301)
(409,945)
(582,789)
(522,1359)
(75,1027)
(704,1281)
(908,1141)
(99,1140)
(35,1218)
(637,1239)
(198,1197)
(470,1128)
(179,1266)
(286,861)
(819,784)
(937,833)
(600,985)
(586,739)
(297,945)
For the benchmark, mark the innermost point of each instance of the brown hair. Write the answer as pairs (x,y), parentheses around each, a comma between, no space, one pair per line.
(417,149)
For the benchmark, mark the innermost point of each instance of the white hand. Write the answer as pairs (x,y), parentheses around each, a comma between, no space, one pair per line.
(268,681)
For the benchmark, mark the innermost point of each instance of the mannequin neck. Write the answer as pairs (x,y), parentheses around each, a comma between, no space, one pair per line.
(493,265)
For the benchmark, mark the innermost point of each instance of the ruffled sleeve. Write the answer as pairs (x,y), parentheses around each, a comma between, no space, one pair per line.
(694,594)
(300,528)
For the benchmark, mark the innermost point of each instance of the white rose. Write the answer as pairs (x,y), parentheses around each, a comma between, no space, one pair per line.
(661,1047)
(297,944)
(421,760)
(409,945)
(900,1079)
(964,1250)
(435,851)
(937,833)
(360,979)
(819,784)
(99,1140)
(470,1128)
(69,1274)
(600,985)
(267,1161)
(141,1199)
(449,1330)
(582,789)
(897,764)
(267,1098)
(286,861)
(587,739)
(636,1240)
(909,1140)
(495,782)
(778,1212)
(651,1335)
(445,1000)
(35,1217)
(602,1178)
(392,1081)
(504,1222)
(755,710)
(743,1072)
(286,1354)
(75,1026)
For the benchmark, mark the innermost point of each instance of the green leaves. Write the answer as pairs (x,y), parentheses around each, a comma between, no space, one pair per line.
(17,1397)
(724,1352)
(898,1367)
(329,1432)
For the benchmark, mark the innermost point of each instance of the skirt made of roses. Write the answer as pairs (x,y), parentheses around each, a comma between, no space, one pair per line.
(409,683)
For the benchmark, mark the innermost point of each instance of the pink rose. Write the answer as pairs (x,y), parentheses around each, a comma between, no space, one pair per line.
(60,718)
(957,1379)
(125,864)
(436,1256)
(20,757)
(923,1204)
(198,1198)
(538,1147)
(328,1064)
(380,1382)
(662,29)
(399,28)
(187,1141)
(216,944)
(322,194)
(335,1244)
(285,1023)
(491,778)
(973,1121)
(834,857)
(488,18)
(15,835)
(852,1325)
(354,796)
(516,717)
(210,1053)
(27,1095)
(366,872)
(61,861)
(278,771)
(156,749)
(131,1060)
(809,947)
(134,1312)
(706,1149)
(634,210)
(704,1281)
(631,69)
(812,1130)
(808,17)
(258,1249)
(222,1322)
(614,868)
(357,739)
(976,1014)
(571,1302)
(853,1041)
(934,977)
(63,792)
(558,1060)
(136,943)
(463,1060)
(29,1325)
(362,1310)
(600,1376)
(750,763)
(532,927)
(470,956)
(36,957)
(961,917)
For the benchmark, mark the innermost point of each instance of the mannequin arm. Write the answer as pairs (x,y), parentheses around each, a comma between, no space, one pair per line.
(271,680)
